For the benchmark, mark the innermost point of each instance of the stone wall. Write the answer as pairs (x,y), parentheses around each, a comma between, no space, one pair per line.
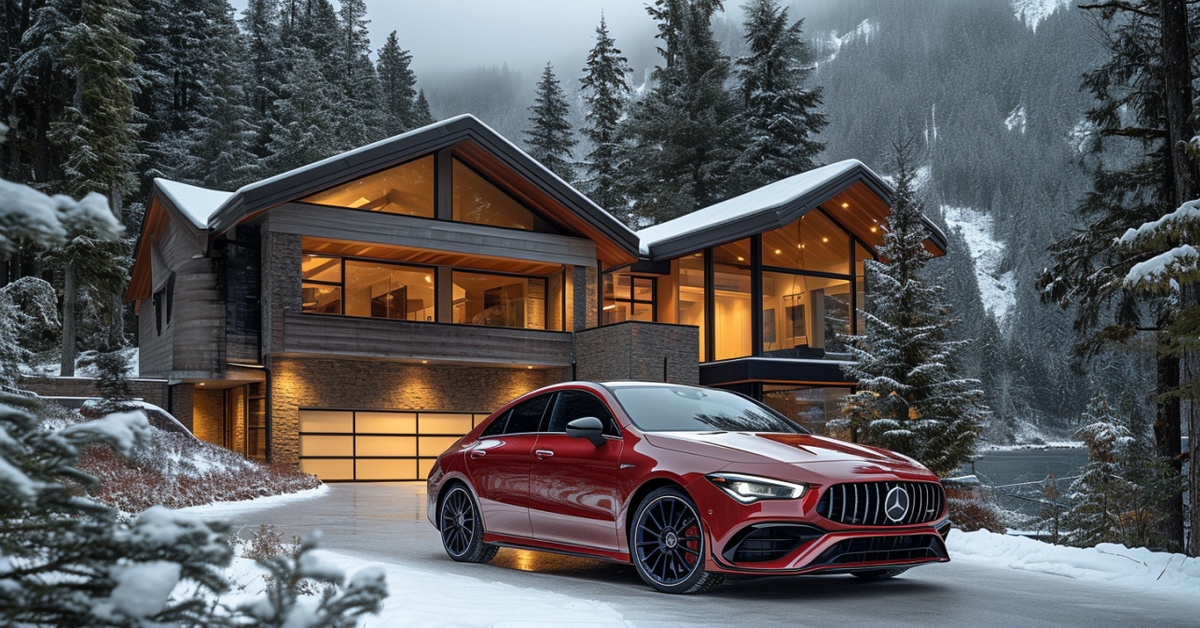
(373,385)
(636,350)
(149,390)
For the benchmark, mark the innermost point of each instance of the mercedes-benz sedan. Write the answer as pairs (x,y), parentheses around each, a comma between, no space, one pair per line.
(686,483)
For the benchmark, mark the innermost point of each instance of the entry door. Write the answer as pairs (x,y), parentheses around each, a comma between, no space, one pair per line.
(500,467)
(574,495)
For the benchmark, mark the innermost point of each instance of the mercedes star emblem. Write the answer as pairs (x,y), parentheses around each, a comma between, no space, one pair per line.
(896,504)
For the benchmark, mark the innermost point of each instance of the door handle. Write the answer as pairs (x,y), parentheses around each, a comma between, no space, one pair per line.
(542,454)
(478,453)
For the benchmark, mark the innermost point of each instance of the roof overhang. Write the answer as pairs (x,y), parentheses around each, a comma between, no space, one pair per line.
(777,205)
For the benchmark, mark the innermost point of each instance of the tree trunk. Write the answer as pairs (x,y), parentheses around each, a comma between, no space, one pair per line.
(1167,441)
(67,363)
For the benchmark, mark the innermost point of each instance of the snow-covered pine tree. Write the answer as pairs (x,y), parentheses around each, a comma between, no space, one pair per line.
(910,398)
(220,139)
(549,138)
(682,139)
(422,116)
(1118,495)
(304,133)
(398,94)
(265,69)
(358,122)
(781,116)
(605,90)
(1132,158)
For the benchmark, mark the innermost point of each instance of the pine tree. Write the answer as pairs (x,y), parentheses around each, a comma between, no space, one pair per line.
(358,121)
(605,90)
(398,94)
(421,114)
(1137,177)
(780,116)
(683,138)
(265,71)
(909,397)
(304,134)
(549,139)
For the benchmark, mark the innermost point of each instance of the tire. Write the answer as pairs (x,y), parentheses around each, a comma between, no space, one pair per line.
(667,546)
(879,574)
(461,527)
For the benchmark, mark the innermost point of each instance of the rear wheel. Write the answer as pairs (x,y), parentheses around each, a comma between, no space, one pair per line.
(666,544)
(879,574)
(461,527)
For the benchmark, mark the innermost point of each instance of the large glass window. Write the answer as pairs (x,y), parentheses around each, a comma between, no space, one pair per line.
(477,200)
(812,407)
(812,242)
(691,296)
(802,312)
(365,288)
(731,290)
(628,298)
(405,189)
(499,300)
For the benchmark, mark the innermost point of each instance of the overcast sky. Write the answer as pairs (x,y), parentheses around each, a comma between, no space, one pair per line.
(463,34)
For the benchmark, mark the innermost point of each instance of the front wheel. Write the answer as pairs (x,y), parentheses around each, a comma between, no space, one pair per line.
(462,528)
(666,544)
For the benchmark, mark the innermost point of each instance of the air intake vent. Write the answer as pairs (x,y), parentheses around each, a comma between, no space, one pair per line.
(882,503)
(910,548)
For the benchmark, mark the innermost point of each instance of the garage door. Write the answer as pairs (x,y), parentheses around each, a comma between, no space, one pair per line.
(371,445)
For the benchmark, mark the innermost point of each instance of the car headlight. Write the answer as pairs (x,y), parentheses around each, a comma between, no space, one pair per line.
(749,489)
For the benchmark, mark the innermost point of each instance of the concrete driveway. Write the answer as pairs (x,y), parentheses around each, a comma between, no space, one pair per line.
(386,522)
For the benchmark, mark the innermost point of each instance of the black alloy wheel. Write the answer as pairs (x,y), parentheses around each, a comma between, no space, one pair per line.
(462,528)
(666,544)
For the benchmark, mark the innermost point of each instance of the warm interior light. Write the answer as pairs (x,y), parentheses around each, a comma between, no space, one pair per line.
(610,307)
(874,229)
(741,259)
(428,279)
(200,384)
(777,251)
(845,205)
(823,239)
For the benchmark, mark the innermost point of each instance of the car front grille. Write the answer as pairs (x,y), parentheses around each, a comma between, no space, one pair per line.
(907,548)
(868,503)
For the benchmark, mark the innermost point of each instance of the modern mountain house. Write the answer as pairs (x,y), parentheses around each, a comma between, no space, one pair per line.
(357,315)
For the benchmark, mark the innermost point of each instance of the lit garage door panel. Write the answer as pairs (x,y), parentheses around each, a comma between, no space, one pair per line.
(373,445)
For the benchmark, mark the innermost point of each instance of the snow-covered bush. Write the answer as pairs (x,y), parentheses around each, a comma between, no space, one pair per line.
(67,560)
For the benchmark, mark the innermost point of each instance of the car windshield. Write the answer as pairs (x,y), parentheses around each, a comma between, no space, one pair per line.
(690,409)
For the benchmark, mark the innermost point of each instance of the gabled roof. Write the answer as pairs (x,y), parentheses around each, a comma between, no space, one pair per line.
(471,139)
(777,205)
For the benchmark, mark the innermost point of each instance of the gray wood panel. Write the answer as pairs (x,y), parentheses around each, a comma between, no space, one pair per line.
(424,233)
(310,334)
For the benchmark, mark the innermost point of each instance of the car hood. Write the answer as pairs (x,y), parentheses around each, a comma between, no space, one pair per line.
(795,449)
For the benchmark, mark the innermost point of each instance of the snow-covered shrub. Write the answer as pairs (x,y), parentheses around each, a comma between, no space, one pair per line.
(284,604)
(67,560)
(36,313)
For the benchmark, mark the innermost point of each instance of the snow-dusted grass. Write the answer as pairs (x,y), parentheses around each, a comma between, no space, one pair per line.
(177,470)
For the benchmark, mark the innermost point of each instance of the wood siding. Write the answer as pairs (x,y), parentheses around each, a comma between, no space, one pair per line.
(423,233)
(314,335)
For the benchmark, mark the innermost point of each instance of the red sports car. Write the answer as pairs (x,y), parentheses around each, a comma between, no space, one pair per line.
(686,483)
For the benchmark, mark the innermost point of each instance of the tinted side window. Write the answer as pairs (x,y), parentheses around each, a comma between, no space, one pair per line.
(575,404)
(527,417)
(497,427)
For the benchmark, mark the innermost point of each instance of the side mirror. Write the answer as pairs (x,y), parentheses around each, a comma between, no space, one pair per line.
(588,427)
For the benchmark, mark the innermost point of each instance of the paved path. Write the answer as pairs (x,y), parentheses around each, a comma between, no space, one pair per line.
(386,522)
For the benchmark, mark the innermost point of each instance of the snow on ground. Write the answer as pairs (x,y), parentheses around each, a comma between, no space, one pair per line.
(1132,568)
(420,597)
(996,288)
(1032,12)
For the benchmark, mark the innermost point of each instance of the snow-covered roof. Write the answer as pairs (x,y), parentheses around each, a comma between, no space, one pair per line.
(776,205)
(196,203)
(768,198)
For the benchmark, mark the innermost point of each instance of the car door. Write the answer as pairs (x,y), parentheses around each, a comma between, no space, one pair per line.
(574,496)
(499,467)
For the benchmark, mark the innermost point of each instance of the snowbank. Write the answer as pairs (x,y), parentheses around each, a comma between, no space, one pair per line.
(1133,568)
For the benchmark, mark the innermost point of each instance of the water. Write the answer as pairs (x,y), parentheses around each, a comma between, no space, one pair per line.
(1019,476)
